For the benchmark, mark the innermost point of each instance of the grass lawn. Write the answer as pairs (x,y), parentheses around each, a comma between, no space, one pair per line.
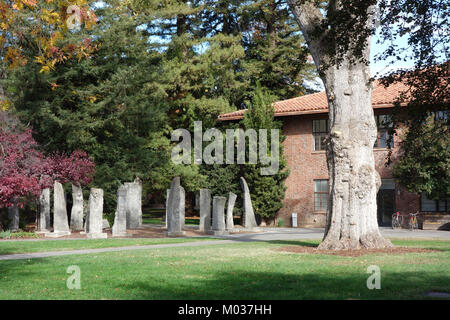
(250,270)
(156,220)
(11,247)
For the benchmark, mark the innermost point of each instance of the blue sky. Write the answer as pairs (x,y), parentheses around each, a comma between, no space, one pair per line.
(383,66)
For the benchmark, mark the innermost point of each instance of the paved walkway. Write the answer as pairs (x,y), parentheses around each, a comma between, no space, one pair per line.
(34,255)
(269,234)
(317,233)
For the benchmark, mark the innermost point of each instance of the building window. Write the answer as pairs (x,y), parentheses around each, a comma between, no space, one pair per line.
(428,205)
(320,132)
(383,126)
(442,115)
(320,195)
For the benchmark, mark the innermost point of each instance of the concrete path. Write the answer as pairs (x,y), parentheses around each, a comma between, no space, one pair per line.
(269,234)
(34,255)
(317,233)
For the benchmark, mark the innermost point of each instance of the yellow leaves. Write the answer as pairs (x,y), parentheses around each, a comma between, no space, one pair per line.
(50,17)
(40,60)
(14,58)
(17,6)
(45,69)
(47,64)
(5,104)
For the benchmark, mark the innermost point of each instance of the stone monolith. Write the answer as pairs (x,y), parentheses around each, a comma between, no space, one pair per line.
(44,215)
(60,220)
(94,220)
(230,206)
(249,215)
(205,210)
(13,216)
(218,216)
(76,216)
(176,207)
(119,228)
(134,204)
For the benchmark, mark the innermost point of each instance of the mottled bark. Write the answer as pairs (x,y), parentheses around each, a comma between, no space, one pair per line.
(353,180)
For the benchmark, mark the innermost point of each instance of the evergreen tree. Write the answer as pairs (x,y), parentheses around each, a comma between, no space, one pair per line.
(105,105)
(267,191)
(157,66)
(276,54)
(424,165)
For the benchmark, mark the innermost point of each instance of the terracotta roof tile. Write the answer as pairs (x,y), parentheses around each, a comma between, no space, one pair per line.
(382,97)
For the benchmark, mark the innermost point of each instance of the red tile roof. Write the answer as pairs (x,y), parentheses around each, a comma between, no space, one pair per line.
(382,97)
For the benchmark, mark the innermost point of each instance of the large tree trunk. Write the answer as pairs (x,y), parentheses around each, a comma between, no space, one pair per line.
(353,180)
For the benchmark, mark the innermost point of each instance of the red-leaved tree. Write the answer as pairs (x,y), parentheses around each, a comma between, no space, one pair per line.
(25,170)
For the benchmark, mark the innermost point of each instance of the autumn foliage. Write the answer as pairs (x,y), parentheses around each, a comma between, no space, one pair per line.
(25,171)
(45,24)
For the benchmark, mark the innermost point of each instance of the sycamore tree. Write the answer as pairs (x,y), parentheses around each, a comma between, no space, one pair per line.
(421,115)
(338,34)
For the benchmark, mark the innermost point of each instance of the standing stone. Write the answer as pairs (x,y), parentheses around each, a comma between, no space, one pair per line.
(164,218)
(134,204)
(60,220)
(218,219)
(249,215)
(182,207)
(13,216)
(76,216)
(197,201)
(176,207)
(205,210)
(44,216)
(119,228)
(230,206)
(94,220)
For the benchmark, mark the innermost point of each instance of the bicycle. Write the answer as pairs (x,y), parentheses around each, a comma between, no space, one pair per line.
(413,224)
(397,220)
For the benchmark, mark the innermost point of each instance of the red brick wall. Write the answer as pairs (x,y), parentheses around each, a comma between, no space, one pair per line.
(307,165)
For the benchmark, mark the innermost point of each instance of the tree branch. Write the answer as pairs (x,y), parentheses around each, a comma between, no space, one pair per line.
(310,19)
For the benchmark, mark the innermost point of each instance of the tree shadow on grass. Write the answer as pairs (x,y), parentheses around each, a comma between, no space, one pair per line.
(276,285)
(17,268)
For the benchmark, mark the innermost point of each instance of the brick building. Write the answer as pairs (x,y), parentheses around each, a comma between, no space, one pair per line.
(305,125)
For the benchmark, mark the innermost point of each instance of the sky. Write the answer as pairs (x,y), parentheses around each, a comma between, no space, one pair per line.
(380,67)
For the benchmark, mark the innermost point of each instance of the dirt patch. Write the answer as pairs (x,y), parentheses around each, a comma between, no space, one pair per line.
(353,252)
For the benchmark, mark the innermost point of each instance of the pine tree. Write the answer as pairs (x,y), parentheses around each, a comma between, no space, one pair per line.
(275,51)
(267,191)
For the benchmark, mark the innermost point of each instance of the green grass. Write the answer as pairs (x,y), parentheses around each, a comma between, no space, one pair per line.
(16,235)
(250,270)
(11,247)
(156,220)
